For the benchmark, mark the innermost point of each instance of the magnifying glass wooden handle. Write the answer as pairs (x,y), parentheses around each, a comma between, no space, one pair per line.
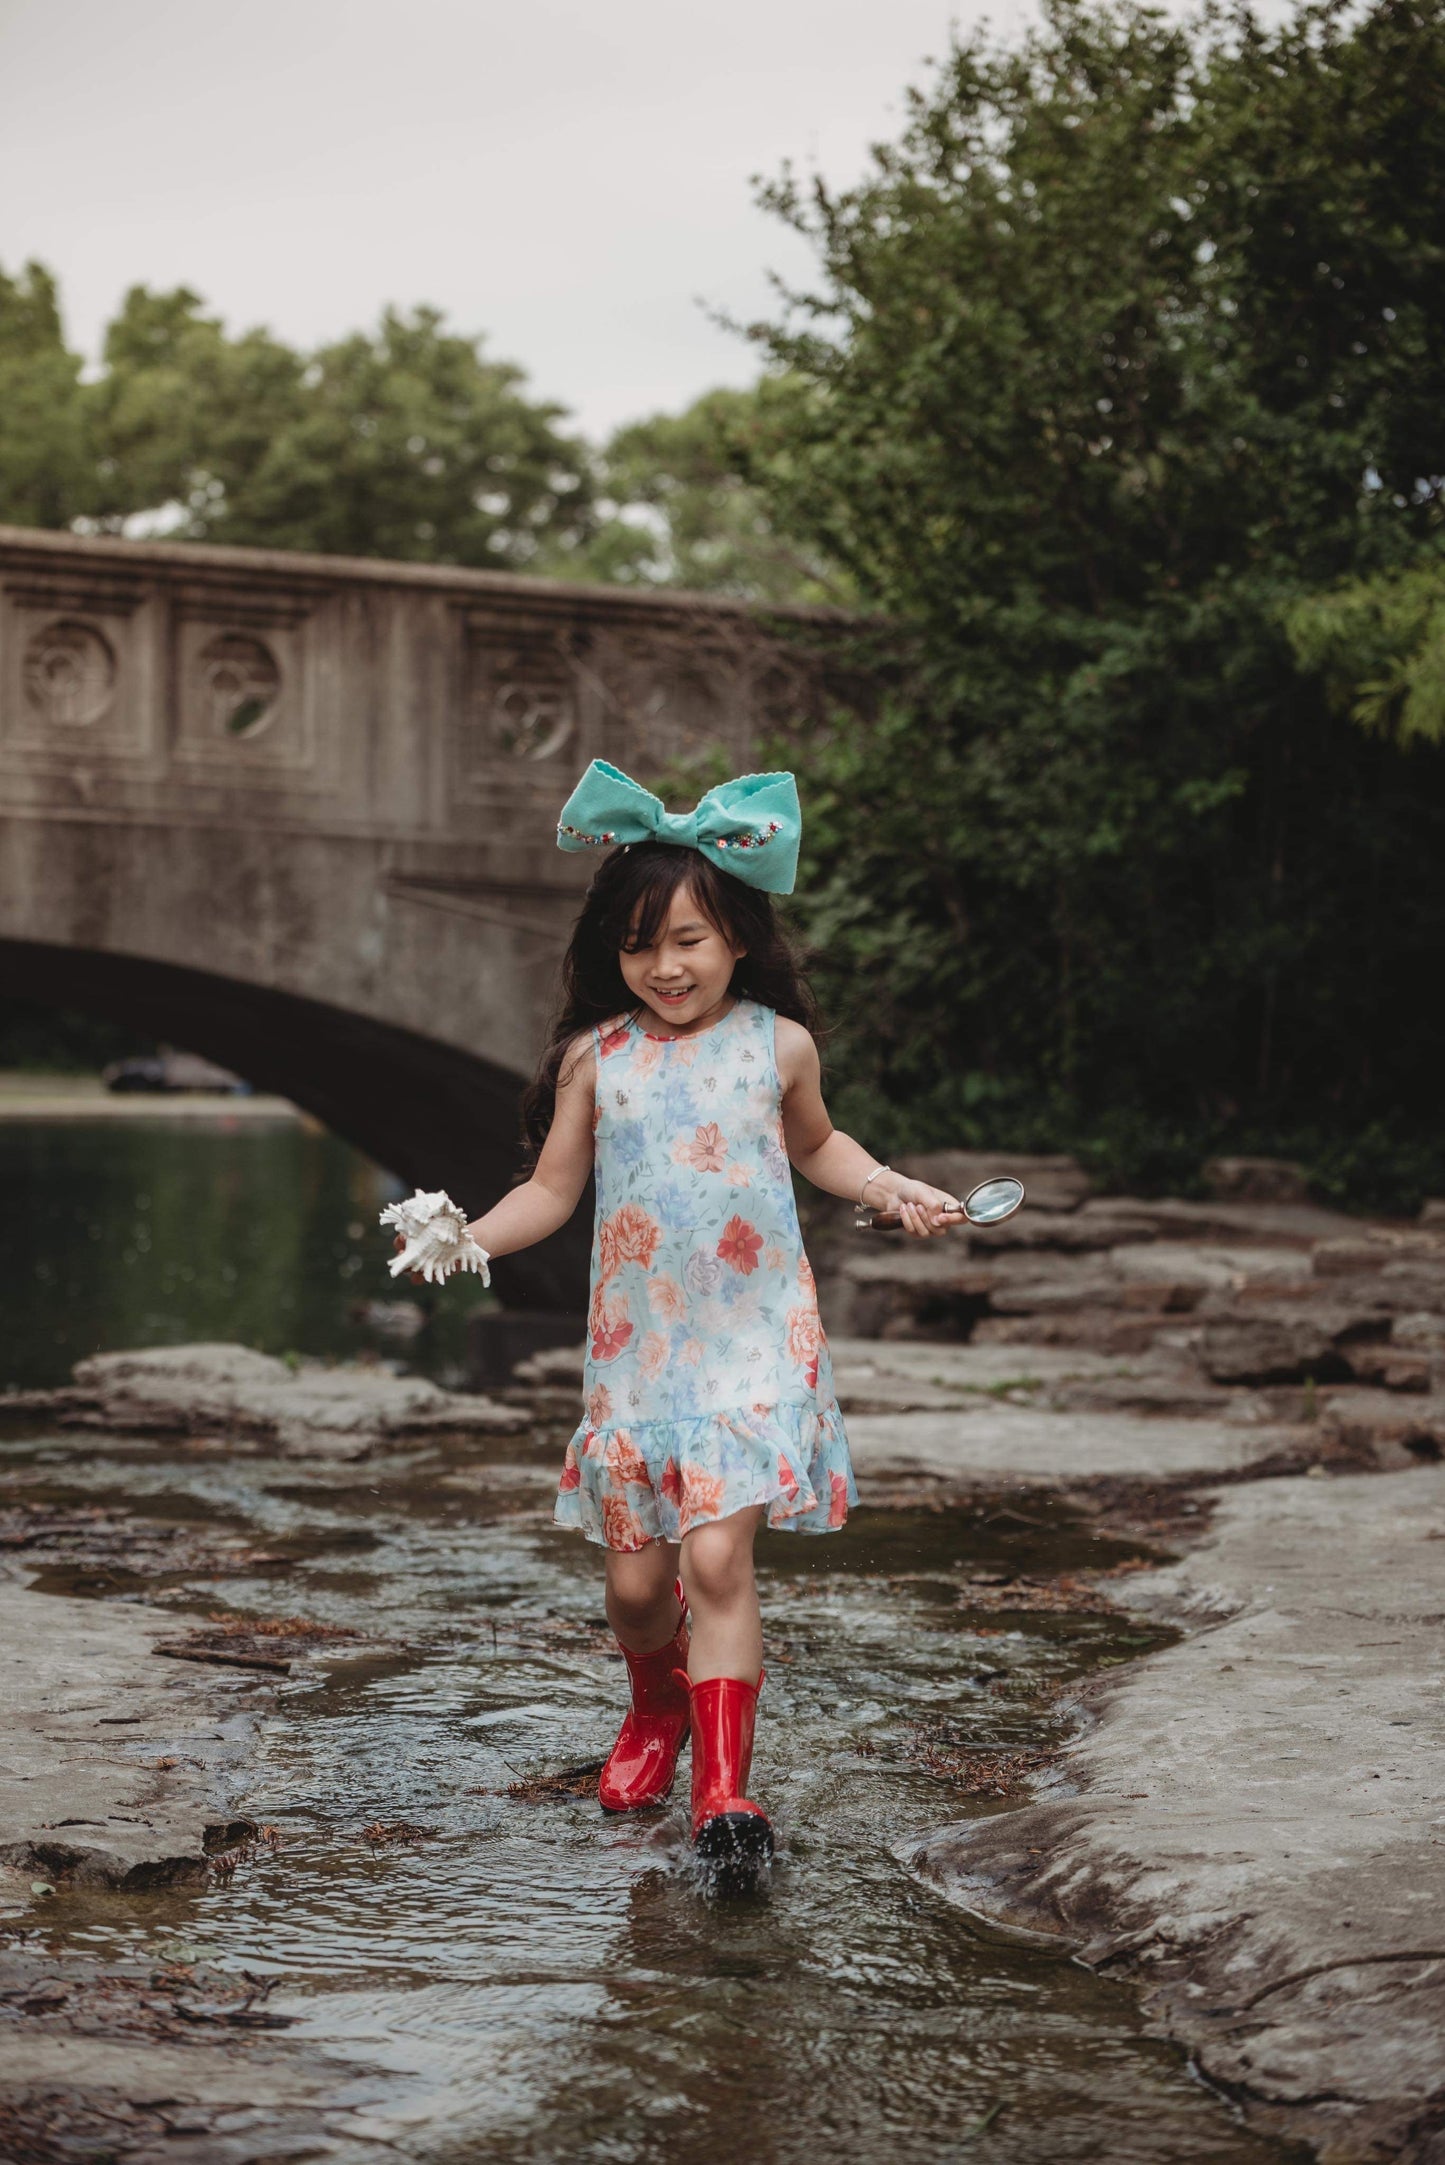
(888,1221)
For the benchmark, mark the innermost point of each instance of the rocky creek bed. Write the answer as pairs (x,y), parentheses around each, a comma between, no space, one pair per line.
(1133,1661)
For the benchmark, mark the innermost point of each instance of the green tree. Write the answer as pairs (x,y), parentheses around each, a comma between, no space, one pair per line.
(407,443)
(1379,645)
(1133,340)
(183,415)
(683,510)
(45,469)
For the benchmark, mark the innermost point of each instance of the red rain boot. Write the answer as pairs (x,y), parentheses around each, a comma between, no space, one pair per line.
(727,1830)
(643,1761)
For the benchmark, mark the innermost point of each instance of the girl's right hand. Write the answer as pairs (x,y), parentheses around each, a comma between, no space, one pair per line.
(399,1242)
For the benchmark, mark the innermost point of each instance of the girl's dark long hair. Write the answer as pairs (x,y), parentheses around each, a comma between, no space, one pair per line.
(626,908)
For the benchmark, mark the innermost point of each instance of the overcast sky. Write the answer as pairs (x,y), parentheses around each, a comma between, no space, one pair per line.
(572,180)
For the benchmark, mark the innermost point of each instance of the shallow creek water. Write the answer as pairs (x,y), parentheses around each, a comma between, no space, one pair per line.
(537,1982)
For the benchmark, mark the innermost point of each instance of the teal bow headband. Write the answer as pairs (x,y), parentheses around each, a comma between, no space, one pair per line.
(750,827)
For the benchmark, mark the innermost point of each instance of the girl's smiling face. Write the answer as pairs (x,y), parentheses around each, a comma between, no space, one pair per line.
(682,979)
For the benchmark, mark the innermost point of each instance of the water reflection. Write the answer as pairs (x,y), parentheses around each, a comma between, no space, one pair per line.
(149,1232)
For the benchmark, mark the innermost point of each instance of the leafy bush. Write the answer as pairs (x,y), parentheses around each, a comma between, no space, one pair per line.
(1132,344)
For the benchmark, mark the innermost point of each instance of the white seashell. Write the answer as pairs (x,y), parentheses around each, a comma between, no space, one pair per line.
(437,1241)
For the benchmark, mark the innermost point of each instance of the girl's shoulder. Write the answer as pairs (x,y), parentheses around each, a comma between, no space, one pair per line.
(794,1049)
(579,1061)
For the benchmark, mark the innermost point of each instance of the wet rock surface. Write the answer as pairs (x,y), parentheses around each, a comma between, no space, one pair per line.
(310,1409)
(115,1766)
(1249,1827)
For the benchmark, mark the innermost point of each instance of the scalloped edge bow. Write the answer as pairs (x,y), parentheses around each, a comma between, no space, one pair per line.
(751,826)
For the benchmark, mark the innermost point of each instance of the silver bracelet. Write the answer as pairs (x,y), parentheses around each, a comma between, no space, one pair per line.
(870,1180)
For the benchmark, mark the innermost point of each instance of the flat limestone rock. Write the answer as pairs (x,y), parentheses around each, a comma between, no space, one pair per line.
(1006,1443)
(1268,1223)
(1256,1180)
(86,1712)
(212,2099)
(1394,1429)
(1227,1266)
(902,1375)
(554,1365)
(1265,1349)
(1249,1829)
(314,1411)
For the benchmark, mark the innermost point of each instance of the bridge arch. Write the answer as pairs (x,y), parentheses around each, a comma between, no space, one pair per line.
(427,1111)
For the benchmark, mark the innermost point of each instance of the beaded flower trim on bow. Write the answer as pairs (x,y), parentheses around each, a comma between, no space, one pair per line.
(736,841)
(747,841)
(598,840)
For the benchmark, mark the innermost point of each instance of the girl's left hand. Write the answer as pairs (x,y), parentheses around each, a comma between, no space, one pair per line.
(922,1210)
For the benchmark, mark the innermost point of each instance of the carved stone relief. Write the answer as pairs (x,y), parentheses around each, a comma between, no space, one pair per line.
(244,693)
(522,704)
(531,718)
(681,707)
(519,712)
(238,683)
(69,674)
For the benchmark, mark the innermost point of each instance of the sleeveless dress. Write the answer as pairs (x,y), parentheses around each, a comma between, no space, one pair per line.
(707,1378)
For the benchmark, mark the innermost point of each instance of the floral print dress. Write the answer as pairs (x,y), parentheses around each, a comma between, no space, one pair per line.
(707,1376)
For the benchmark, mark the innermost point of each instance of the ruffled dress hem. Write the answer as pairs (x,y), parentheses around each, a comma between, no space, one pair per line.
(626,1486)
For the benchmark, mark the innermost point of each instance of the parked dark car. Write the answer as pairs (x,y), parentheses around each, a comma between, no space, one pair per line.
(167,1070)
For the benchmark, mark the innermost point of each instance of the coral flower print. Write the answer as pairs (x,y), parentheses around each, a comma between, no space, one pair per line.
(612,1332)
(628,1236)
(667,1300)
(652,1354)
(621,1527)
(646,1055)
(803,1337)
(706,1376)
(708,1149)
(623,1460)
(740,1245)
(599,1405)
(702,1494)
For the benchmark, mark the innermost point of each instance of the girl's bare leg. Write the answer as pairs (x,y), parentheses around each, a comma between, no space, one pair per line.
(641,1605)
(717,1571)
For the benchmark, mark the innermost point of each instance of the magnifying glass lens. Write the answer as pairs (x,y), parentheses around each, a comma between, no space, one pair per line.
(995,1199)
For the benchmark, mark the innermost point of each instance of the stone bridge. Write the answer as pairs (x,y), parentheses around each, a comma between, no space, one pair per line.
(297,813)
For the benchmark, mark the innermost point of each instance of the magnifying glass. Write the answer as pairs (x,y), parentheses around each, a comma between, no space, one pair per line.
(988,1204)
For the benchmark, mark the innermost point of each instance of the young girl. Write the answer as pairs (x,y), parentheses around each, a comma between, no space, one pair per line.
(682,1069)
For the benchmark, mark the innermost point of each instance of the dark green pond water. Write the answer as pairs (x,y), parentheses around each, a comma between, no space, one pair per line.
(150,1231)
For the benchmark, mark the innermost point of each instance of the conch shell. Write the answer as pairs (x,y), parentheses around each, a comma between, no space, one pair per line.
(437,1241)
